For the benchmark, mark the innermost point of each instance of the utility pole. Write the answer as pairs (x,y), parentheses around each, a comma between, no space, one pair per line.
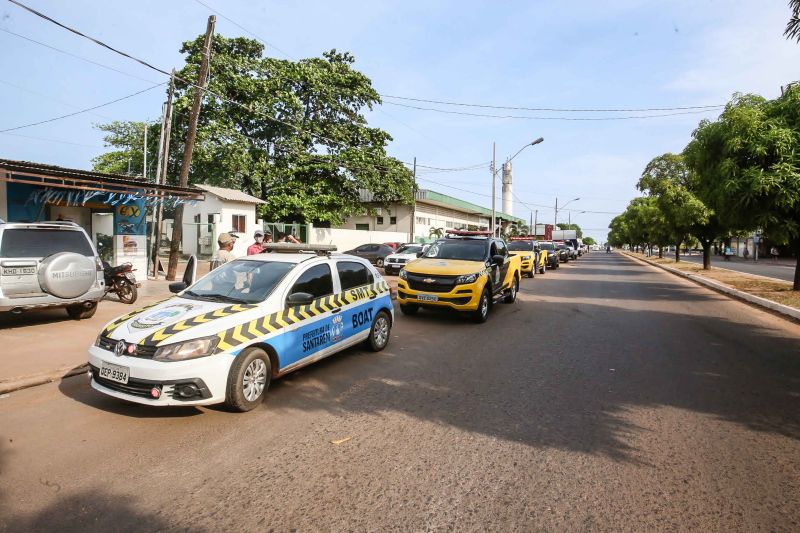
(161,173)
(555,222)
(144,152)
(535,221)
(494,187)
(177,223)
(414,201)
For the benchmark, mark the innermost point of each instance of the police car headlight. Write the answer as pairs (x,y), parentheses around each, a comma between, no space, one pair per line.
(181,351)
(403,274)
(468,278)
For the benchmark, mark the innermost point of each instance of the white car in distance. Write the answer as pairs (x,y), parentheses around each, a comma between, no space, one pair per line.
(406,253)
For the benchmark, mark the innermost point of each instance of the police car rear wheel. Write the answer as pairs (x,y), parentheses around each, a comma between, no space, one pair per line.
(248,380)
(482,313)
(379,333)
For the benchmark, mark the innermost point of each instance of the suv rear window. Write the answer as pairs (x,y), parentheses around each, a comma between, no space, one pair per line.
(43,242)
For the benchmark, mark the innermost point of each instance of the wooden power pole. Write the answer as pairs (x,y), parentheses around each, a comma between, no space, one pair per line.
(161,173)
(177,223)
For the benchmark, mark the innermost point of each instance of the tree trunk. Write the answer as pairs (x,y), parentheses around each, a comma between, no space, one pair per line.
(661,251)
(678,251)
(706,255)
(797,266)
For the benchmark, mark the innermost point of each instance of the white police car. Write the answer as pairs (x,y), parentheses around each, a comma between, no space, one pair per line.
(225,337)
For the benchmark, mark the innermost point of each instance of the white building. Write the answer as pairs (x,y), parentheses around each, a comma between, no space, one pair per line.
(432,210)
(224,210)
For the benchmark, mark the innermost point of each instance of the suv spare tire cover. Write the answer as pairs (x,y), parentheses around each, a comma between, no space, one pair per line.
(67,274)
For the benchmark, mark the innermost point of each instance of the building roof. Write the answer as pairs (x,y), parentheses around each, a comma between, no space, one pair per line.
(436,198)
(231,195)
(72,178)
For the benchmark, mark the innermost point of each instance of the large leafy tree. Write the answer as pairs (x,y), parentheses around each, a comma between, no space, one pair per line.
(747,164)
(290,132)
(667,180)
(127,139)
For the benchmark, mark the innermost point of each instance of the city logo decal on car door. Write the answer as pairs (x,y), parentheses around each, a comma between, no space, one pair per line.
(261,327)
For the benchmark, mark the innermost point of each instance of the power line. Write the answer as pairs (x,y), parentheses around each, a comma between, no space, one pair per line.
(527,117)
(264,42)
(80,111)
(60,141)
(59,50)
(43,95)
(554,109)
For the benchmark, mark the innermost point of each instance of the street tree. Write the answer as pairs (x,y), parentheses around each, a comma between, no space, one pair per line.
(667,179)
(293,133)
(747,167)
(589,241)
(577,228)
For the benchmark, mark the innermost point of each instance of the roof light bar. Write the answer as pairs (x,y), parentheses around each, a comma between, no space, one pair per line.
(291,247)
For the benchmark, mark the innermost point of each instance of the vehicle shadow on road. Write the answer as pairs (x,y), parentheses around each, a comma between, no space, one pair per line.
(85,512)
(592,393)
(77,388)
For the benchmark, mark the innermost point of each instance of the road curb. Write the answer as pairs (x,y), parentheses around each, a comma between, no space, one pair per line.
(785,310)
(24,382)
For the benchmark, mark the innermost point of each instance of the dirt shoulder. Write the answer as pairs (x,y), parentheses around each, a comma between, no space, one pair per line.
(769,288)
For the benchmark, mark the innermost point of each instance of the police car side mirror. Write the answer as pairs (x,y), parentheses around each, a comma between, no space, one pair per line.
(299,298)
(177,287)
(498,259)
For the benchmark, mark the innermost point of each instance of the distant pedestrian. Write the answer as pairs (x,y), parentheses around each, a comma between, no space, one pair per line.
(727,253)
(746,253)
(258,246)
(774,253)
(225,252)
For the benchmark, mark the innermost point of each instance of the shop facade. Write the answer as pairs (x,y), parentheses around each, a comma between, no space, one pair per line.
(111,208)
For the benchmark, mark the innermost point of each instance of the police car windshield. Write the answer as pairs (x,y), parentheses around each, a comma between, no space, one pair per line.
(409,249)
(240,281)
(546,246)
(520,246)
(463,249)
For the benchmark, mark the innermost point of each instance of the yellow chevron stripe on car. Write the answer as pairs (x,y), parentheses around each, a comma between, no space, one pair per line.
(263,326)
(124,318)
(157,338)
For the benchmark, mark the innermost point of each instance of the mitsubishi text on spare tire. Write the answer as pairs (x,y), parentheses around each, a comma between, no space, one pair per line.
(67,275)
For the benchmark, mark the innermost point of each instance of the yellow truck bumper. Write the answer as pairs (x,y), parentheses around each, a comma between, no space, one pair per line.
(461,298)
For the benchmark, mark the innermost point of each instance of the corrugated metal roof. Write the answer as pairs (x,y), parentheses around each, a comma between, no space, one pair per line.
(231,195)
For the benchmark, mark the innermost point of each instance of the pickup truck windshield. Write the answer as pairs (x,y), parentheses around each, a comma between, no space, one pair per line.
(520,246)
(240,281)
(546,246)
(463,249)
(409,249)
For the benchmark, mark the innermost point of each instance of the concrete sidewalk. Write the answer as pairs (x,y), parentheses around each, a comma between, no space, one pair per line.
(42,346)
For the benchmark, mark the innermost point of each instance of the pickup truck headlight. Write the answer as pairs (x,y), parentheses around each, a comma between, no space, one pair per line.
(182,351)
(467,278)
(403,274)
(526,258)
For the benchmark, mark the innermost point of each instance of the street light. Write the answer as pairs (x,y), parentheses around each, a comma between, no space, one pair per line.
(555,222)
(570,216)
(494,177)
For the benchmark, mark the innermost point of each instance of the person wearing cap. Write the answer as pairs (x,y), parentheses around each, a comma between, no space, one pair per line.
(258,246)
(225,252)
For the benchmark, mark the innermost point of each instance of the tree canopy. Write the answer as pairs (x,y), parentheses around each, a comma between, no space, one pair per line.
(290,132)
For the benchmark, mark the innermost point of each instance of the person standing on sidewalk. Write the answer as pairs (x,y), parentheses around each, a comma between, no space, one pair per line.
(746,253)
(258,246)
(774,253)
(225,252)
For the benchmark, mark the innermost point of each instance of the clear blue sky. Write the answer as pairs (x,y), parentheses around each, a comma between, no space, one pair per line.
(612,54)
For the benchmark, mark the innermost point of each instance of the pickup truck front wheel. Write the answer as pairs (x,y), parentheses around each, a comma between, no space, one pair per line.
(482,312)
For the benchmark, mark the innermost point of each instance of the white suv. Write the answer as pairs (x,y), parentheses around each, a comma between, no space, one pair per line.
(49,264)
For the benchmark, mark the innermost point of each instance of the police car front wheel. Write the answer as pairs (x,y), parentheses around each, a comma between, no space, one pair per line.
(248,380)
(379,332)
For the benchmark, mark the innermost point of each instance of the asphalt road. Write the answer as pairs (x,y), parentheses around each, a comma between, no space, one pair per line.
(765,267)
(611,397)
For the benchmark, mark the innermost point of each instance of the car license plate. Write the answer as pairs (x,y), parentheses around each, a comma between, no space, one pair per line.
(427,298)
(114,372)
(18,271)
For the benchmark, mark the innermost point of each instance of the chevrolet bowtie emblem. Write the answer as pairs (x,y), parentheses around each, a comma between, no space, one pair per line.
(428,280)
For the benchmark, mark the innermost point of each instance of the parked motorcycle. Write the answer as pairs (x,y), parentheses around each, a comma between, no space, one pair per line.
(121,281)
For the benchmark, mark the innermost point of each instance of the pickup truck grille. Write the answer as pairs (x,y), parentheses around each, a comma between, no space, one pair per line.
(418,282)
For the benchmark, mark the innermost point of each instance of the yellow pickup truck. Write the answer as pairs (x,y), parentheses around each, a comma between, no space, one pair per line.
(465,271)
(533,259)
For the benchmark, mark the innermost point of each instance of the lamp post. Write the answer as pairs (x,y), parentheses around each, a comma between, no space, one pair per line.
(494,178)
(555,222)
(570,216)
